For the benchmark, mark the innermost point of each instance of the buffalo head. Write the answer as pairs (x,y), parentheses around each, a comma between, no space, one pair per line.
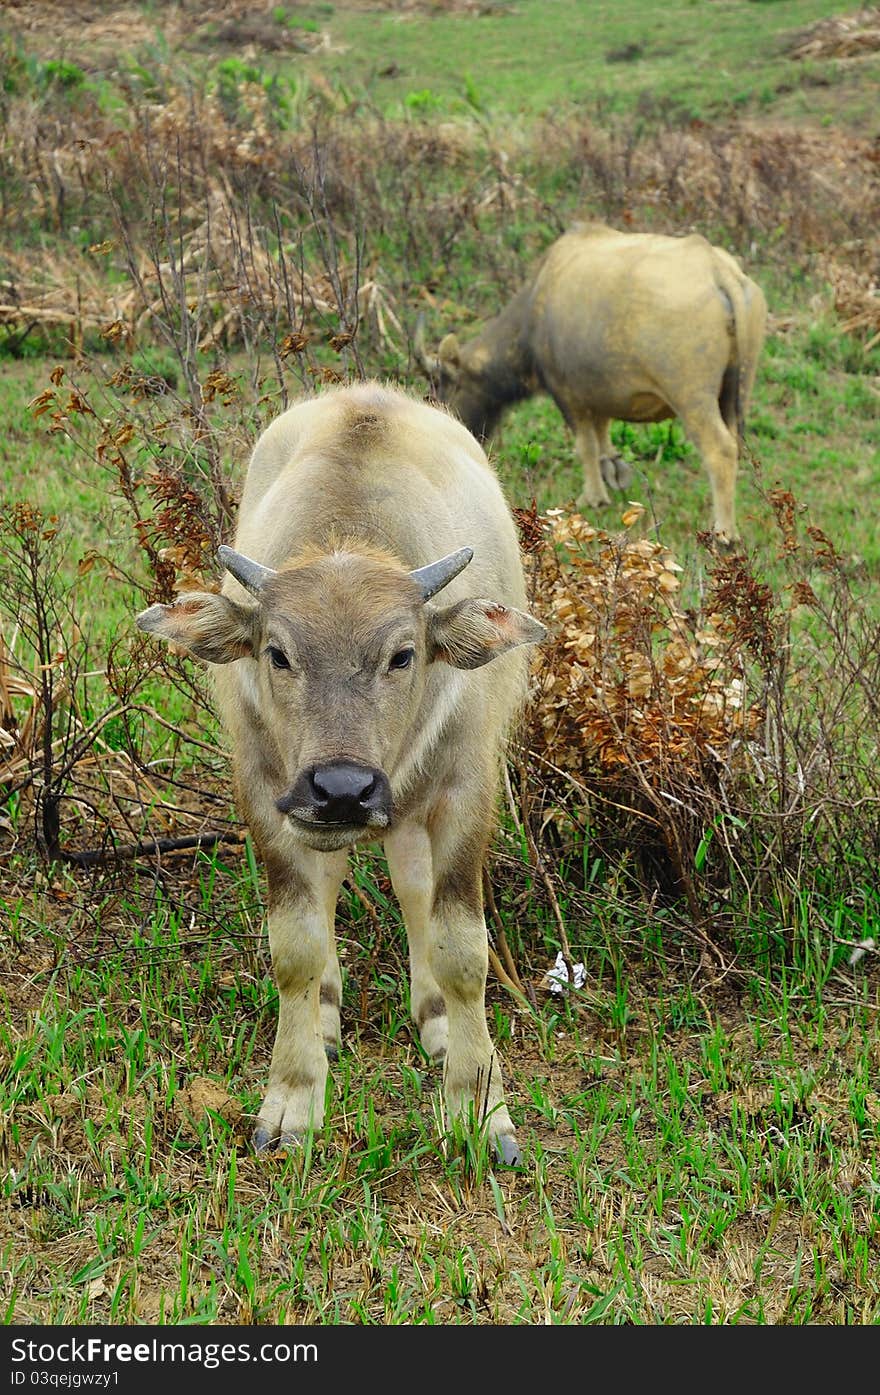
(471,379)
(340,650)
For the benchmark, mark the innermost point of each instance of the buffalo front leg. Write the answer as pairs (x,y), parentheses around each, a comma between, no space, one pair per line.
(332,869)
(460,959)
(439,883)
(301,904)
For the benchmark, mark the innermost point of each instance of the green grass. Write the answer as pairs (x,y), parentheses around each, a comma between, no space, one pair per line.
(695,58)
(691,1159)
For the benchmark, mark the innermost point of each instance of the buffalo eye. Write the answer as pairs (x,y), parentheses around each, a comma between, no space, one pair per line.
(402,659)
(277,657)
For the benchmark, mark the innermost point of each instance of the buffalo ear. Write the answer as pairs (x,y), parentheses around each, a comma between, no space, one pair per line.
(449,352)
(474,632)
(204,624)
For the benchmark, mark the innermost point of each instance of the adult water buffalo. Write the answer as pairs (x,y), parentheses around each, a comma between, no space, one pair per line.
(359,708)
(620,326)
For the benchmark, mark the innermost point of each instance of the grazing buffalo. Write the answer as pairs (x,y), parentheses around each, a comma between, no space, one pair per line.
(360,707)
(619,326)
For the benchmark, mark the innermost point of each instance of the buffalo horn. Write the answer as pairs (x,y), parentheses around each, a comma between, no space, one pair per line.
(436,575)
(251,575)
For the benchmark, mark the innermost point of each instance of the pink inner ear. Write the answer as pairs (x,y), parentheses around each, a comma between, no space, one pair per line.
(496,613)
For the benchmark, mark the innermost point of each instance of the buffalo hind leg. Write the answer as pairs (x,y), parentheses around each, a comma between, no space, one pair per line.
(718,449)
(587,444)
(301,902)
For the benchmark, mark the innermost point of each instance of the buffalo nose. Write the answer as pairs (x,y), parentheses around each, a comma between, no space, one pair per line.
(345,792)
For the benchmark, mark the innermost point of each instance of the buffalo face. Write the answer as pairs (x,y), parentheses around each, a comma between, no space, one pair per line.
(475,381)
(336,656)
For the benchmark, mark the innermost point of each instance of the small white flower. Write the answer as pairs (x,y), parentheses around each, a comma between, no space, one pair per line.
(860,950)
(556,979)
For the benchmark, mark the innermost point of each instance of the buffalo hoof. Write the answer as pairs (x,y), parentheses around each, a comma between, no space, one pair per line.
(267,1141)
(508,1150)
(725,543)
(593,501)
(263,1139)
(616,472)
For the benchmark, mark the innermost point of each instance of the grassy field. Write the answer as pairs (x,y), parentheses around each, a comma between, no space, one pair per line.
(201,219)
(697,58)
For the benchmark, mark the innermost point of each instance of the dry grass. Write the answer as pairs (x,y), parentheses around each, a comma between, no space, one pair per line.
(106,28)
(243,196)
(840,36)
(856,300)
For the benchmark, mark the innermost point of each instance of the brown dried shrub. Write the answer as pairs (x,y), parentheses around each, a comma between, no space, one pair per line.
(640,703)
(726,746)
(799,191)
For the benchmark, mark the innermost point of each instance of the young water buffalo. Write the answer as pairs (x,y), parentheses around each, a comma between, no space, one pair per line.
(359,708)
(620,326)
